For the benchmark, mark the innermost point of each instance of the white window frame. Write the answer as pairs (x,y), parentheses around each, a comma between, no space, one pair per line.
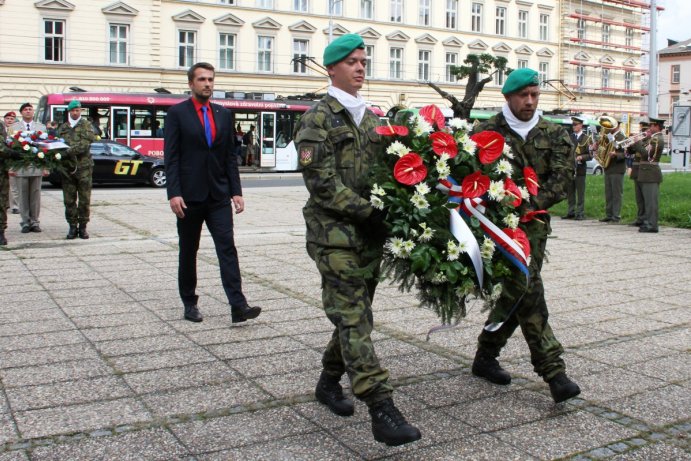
(604,80)
(395,63)
(369,68)
(544,27)
(301,6)
(628,80)
(265,65)
(116,44)
(54,38)
(226,51)
(521,64)
(265,4)
(186,60)
(476,17)
(452,14)
(424,12)
(499,77)
(451,60)
(334,7)
(300,68)
(628,36)
(543,73)
(424,58)
(581,28)
(367,9)
(500,21)
(523,16)
(396,8)
(580,76)
(676,74)
(606,35)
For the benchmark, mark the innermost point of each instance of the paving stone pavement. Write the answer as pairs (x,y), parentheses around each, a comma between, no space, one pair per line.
(96,361)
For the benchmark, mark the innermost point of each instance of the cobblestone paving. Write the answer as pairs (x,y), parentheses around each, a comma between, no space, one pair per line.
(97,363)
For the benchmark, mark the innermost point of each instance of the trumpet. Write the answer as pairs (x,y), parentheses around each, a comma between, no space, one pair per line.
(631,140)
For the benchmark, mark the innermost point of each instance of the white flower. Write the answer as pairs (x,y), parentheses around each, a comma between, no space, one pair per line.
(504,167)
(376,190)
(487,248)
(376,202)
(438,278)
(468,144)
(58,156)
(397,148)
(507,151)
(452,251)
(43,136)
(419,201)
(421,126)
(408,247)
(395,246)
(34,149)
(422,188)
(525,195)
(443,168)
(459,124)
(26,147)
(496,292)
(40,155)
(427,233)
(496,190)
(511,220)
(413,232)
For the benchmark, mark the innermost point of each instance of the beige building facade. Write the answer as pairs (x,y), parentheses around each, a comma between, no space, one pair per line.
(50,46)
(674,70)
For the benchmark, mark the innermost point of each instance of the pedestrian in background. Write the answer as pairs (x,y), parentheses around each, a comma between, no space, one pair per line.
(575,187)
(9,119)
(546,148)
(78,170)
(337,146)
(202,182)
(29,178)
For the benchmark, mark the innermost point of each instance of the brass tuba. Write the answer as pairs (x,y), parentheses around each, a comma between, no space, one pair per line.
(606,143)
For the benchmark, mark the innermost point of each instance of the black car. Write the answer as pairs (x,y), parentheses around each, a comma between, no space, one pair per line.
(115,163)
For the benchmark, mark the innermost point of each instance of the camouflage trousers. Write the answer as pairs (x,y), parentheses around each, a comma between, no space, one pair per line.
(4,198)
(531,316)
(76,194)
(347,299)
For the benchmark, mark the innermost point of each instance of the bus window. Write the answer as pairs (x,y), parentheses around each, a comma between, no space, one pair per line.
(159,123)
(142,123)
(98,117)
(284,129)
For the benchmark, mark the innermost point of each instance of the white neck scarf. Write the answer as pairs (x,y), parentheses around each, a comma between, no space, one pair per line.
(353,104)
(519,126)
(73,123)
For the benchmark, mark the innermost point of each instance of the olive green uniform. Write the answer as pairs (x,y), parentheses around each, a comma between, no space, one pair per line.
(549,151)
(335,157)
(78,171)
(575,188)
(639,149)
(614,181)
(649,179)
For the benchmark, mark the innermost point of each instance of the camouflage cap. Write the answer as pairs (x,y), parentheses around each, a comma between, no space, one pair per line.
(340,48)
(74,104)
(519,79)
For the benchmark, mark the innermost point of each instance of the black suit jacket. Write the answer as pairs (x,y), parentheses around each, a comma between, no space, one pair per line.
(194,170)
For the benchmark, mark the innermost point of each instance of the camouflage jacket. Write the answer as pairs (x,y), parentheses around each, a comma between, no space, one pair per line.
(335,157)
(5,152)
(79,139)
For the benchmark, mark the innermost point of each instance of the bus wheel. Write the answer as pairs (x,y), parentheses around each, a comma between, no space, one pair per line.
(157,178)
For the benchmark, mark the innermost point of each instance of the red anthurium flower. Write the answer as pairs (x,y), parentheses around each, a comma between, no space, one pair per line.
(512,190)
(17,135)
(518,236)
(24,143)
(50,136)
(490,145)
(530,180)
(45,150)
(474,185)
(410,169)
(34,137)
(443,143)
(529,216)
(432,114)
(392,130)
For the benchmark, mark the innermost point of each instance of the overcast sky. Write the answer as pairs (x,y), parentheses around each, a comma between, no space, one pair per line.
(674,22)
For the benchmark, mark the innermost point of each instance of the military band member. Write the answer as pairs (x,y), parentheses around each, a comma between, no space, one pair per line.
(614,175)
(575,188)
(650,176)
(636,152)
(337,146)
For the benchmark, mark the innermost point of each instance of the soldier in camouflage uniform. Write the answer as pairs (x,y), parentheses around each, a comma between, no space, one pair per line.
(78,170)
(547,148)
(5,154)
(337,145)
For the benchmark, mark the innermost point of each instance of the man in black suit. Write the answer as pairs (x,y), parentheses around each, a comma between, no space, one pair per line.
(202,181)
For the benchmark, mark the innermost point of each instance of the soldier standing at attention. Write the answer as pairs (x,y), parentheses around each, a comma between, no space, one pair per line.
(5,153)
(636,152)
(545,147)
(78,170)
(575,188)
(337,145)
(614,175)
(650,176)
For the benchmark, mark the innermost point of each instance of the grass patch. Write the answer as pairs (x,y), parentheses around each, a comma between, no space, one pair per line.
(675,200)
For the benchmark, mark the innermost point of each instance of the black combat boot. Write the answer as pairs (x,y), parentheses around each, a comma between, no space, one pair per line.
(72,233)
(486,366)
(330,393)
(389,426)
(3,240)
(83,234)
(562,388)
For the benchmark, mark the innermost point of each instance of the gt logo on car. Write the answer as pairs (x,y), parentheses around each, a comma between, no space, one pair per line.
(127,167)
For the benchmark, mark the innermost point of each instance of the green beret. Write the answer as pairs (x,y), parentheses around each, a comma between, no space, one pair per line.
(74,104)
(519,79)
(340,48)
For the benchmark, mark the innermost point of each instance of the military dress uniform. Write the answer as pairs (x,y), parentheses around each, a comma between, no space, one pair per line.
(649,179)
(548,150)
(637,151)
(575,188)
(614,181)
(335,157)
(77,174)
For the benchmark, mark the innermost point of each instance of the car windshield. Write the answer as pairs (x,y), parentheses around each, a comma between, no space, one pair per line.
(97,148)
(121,151)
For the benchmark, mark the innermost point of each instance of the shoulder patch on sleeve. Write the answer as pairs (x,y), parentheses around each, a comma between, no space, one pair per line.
(306,154)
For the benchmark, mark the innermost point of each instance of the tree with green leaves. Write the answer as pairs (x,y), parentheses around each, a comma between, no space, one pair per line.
(475,66)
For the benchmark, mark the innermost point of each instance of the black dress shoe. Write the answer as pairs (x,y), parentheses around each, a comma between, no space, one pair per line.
(636,224)
(606,220)
(35,228)
(648,230)
(25,229)
(568,216)
(580,218)
(192,314)
(72,233)
(242,314)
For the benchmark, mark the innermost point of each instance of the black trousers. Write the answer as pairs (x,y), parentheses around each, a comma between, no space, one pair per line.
(218,217)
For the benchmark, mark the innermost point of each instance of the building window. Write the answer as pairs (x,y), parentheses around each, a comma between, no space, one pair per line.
(628,37)
(301,6)
(264,49)
(676,73)
(605,34)
(369,68)
(366,9)
(499,77)
(396,10)
(226,51)
(451,62)
(605,80)
(300,52)
(500,23)
(628,80)
(335,7)
(117,41)
(544,27)
(396,63)
(423,64)
(543,73)
(451,14)
(228,2)
(269,4)
(424,12)
(523,24)
(522,64)
(476,17)
(186,47)
(54,40)
(580,76)
(580,28)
